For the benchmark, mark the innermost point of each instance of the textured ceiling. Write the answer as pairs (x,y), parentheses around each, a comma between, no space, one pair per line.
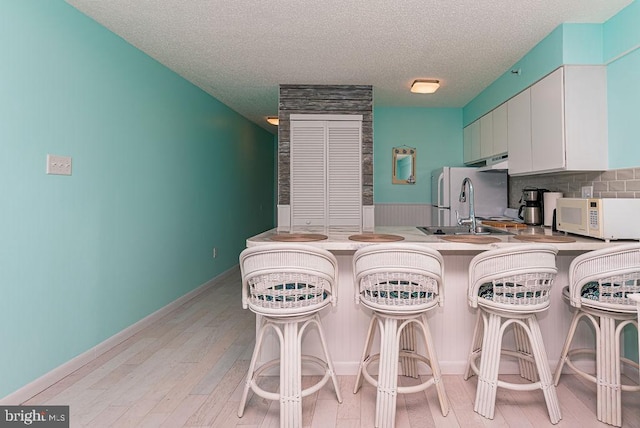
(239,51)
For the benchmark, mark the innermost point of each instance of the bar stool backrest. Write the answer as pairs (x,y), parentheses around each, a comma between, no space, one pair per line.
(287,279)
(516,278)
(604,278)
(398,276)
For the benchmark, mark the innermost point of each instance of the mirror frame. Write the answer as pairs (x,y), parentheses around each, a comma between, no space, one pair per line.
(401,153)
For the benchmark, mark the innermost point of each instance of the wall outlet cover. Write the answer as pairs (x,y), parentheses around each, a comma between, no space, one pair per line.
(587,191)
(58,165)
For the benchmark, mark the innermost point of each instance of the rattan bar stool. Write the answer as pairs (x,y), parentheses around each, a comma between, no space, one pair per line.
(636,298)
(287,285)
(400,283)
(509,286)
(600,283)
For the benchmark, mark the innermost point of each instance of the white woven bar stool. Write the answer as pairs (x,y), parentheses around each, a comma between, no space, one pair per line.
(399,283)
(288,285)
(636,298)
(509,286)
(600,283)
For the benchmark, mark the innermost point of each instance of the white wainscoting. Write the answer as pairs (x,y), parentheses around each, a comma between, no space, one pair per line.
(403,214)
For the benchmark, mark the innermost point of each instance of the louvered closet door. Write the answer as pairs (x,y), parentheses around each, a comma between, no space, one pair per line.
(344,160)
(308,173)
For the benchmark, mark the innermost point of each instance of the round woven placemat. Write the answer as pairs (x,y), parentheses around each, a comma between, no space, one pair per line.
(470,239)
(376,237)
(298,237)
(544,238)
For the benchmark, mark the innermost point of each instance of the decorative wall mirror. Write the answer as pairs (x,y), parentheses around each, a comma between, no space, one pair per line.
(404,165)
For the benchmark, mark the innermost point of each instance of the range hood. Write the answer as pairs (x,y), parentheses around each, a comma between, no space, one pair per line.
(499,163)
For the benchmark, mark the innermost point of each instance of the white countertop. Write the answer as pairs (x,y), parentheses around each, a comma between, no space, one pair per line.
(338,239)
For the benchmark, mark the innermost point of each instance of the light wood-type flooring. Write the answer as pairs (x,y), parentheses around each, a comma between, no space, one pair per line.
(188,369)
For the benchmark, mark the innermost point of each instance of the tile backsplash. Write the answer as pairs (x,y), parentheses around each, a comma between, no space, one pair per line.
(615,183)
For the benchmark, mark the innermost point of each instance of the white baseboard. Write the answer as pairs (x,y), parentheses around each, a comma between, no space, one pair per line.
(45,381)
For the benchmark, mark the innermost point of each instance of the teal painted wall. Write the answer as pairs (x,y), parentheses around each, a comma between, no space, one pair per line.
(545,57)
(621,53)
(162,173)
(582,44)
(567,44)
(622,32)
(436,133)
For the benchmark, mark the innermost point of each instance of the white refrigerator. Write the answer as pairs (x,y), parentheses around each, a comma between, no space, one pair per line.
(490,194)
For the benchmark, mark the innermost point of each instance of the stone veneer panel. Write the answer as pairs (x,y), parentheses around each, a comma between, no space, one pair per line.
(615,183)
(327,99)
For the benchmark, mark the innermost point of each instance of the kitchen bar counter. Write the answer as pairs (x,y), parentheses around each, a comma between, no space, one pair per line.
(338,239)
(451,325)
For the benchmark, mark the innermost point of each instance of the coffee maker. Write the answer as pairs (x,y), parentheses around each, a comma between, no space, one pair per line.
(531,210)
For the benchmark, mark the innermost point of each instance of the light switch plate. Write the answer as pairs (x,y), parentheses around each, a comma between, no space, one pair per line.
(58,165)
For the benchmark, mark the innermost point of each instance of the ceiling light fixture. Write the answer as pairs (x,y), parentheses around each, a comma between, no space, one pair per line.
(425,86)
(273,120)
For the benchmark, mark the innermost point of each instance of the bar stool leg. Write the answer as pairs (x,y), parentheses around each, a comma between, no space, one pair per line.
(252,366)
(366,352)
(476,346)
(609,392)
(435,366)
(527,368)
(489,364)
(327,357)
(388,374)
(567,344)
(542,364)
(408,343)
(290,381)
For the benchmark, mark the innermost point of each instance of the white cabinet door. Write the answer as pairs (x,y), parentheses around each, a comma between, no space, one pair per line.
(586,131)
(486,136)
(466,148)
(500,130)
(344,175)
(308,173)
(547,123)
(519,132)
(326,164)
(471,135)
(568,123)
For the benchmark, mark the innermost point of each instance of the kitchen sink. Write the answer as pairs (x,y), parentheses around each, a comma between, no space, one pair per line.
(462,230)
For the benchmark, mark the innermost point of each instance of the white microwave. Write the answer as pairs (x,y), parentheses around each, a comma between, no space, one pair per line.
(599,218)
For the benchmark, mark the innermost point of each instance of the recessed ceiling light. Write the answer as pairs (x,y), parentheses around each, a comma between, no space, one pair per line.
(273,120)
(425,86)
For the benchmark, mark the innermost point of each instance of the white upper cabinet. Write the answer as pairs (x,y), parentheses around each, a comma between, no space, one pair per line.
(471,148)
(586,123)
(486,136)
(326,183)
(568,123)
(519,132)
(467,142)
(500,130)
(547,123)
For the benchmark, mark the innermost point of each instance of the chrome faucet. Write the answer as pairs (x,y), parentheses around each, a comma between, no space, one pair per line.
(471,220)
